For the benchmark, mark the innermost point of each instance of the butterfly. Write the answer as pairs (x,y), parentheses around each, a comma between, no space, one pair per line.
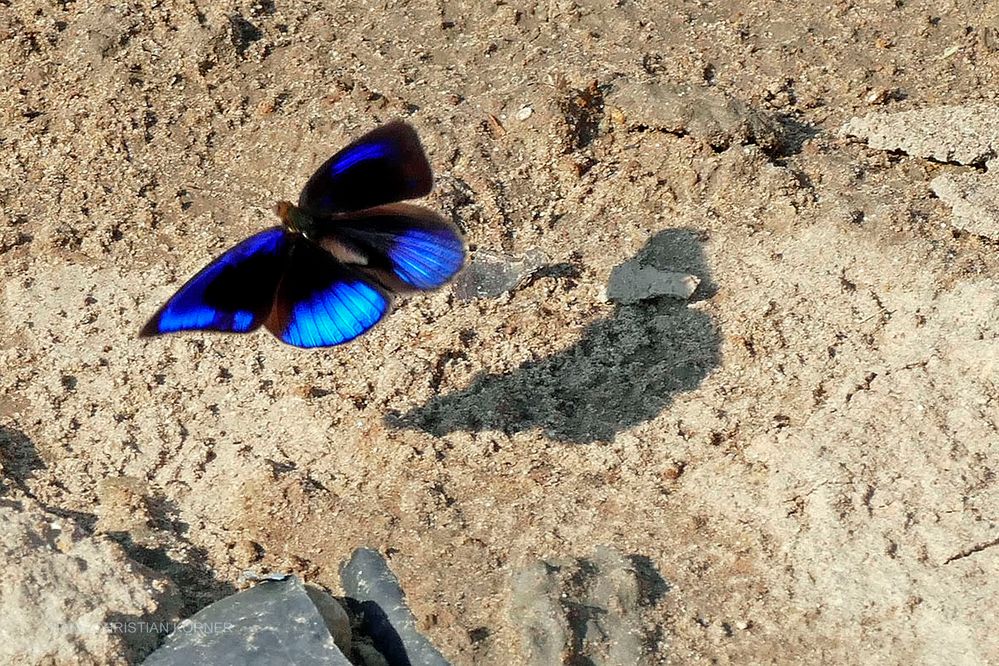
(329,272)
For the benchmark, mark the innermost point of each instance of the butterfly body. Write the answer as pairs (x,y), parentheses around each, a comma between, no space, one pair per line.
(328,273)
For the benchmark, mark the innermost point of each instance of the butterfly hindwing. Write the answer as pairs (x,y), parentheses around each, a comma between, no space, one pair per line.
(384,166)
(322,302)
(234,293)
(407,247)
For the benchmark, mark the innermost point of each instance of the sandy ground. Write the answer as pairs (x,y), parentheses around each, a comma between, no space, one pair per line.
(805,452)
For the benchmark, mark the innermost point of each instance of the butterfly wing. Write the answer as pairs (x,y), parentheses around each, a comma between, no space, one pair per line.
(322,302)
(234,293)
(385,165)
(406,247)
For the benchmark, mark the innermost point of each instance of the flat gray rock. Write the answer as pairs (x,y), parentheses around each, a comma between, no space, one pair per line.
(633,281)
(274,622)
(367,579)
(490,275)
(706,114)
(588,610)
(536,609)
(966,134)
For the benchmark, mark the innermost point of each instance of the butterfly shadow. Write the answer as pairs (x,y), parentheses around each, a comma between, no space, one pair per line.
(625,369)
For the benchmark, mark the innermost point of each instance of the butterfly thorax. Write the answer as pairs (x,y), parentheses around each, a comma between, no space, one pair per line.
(301,222)
(295,218)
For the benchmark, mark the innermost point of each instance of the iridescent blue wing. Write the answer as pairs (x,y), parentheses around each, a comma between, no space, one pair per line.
(322,302)
(407,247)
(384,166)
(234,293)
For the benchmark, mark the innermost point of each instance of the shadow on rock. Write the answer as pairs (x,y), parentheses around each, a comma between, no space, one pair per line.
(19,458)
(624,371)
(197,583)
(375,597)
(152,537)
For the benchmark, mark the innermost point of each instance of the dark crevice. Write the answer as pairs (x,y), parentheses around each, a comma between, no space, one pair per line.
(967,552)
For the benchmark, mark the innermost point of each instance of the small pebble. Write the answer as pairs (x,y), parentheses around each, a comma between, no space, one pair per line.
(632,282)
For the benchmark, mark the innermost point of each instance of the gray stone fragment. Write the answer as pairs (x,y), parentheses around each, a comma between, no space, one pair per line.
(536,608)
(966,134)
(491,275)
(616,634)
(704,113)
(588,610)
(274,622)
(336,618)
(387,619)
(633,281)
(974,199)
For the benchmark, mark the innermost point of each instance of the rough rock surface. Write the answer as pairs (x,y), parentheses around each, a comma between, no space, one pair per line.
(587,610)
(966,134)
(273,622)
(68,598)
(708,115)
(385,616)
(974,200)
(632,282)
(489,275)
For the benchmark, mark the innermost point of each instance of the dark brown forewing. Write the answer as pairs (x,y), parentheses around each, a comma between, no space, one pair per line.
(233,293)
(384,166)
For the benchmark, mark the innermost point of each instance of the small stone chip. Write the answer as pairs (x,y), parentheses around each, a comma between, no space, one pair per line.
(631,282)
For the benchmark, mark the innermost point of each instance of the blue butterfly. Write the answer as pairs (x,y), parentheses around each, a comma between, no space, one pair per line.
(328,274)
